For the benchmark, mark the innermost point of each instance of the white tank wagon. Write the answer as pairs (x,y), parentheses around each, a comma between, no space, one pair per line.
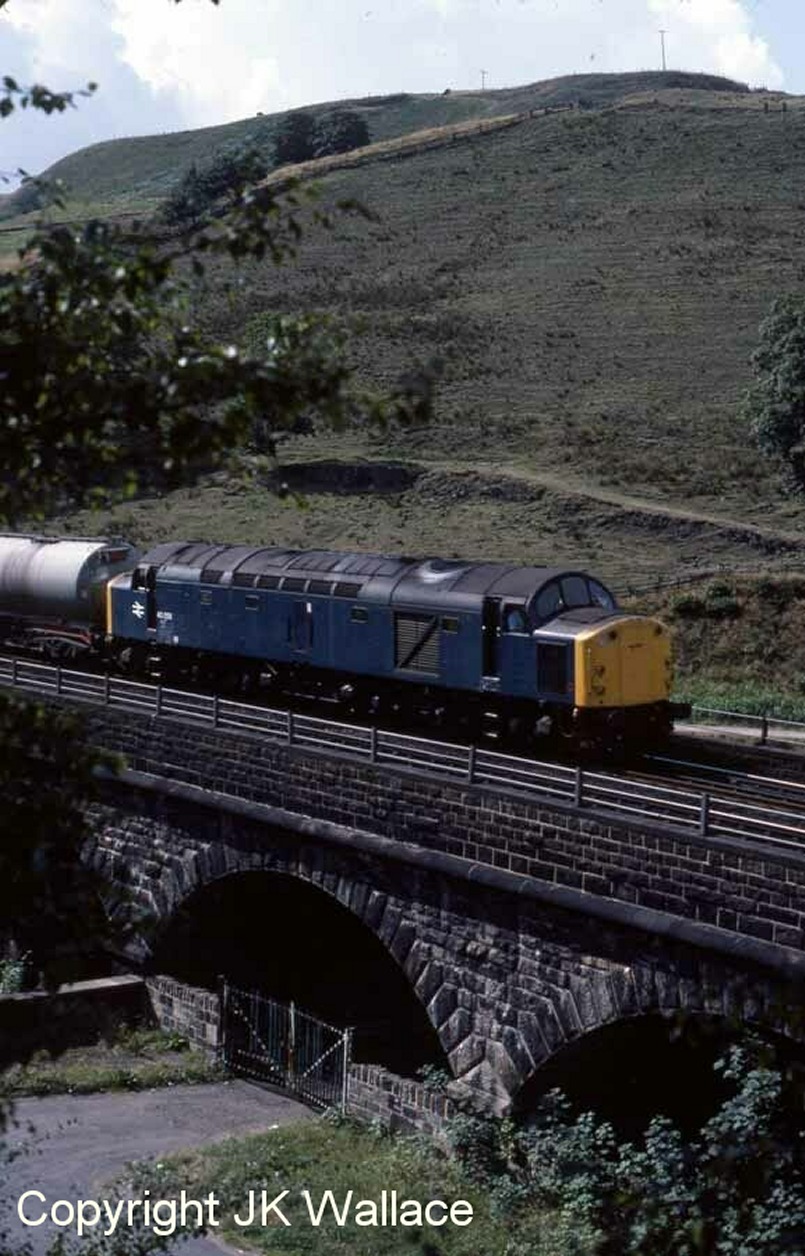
(47,583)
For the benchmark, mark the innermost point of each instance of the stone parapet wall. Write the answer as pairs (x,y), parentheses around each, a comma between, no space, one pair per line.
(398,1103)
(733,884)
(74,1015)
(191,1011)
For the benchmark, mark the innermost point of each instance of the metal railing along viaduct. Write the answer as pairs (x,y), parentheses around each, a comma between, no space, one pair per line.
(706,813)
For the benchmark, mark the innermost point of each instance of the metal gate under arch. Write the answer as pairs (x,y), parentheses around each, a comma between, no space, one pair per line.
(277,1043)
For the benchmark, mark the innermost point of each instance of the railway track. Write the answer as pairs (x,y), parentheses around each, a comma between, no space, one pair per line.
(692,797)
(773,790)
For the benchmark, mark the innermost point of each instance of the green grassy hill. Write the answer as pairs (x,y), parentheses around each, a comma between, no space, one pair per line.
(593,282)
(137,172)
(592,279)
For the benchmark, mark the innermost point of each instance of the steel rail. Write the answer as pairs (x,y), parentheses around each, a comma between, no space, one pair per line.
(704,813)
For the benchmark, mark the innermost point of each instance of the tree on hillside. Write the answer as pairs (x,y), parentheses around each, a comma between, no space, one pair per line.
(339,131)
(293,141)
(775,403)
(302,135)
(186,204)
(225,176)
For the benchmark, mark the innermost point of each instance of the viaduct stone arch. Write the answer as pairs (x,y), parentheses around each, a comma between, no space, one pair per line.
(505,979)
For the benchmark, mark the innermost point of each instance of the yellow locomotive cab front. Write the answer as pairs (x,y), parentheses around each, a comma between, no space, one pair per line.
(625,662)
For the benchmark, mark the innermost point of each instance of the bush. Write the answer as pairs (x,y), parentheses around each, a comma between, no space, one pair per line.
(294,138)
(735,1188)
(774,406)
(721,602)
(687,606)
(227,174)
(186,203)
(303,135)
(13,973)
(339,131)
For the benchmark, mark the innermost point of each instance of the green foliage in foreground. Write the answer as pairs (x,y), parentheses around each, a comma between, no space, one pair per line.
(50,909)
(737,1189)
(561,1186)
(339,1156)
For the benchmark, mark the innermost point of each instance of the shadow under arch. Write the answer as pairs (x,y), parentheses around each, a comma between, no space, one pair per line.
(289,939)
(632,1069)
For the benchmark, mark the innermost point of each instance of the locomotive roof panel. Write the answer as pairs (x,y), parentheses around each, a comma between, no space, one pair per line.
(435,582)
(216,561)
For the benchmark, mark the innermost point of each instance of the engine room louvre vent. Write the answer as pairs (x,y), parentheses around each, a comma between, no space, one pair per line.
(416,643)
(244,579)
(291,585)
(344,589)
(320,586)
(267,582)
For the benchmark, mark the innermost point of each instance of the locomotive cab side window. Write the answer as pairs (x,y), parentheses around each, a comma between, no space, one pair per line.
(549,601)
(139,578)
(514,619)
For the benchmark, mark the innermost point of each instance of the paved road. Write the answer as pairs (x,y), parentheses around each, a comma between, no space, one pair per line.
(83,1141)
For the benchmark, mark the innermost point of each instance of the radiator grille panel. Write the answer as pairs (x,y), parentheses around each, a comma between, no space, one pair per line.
(416,643)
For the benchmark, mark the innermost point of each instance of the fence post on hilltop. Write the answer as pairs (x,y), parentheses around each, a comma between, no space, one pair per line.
(704,814)
(578,786)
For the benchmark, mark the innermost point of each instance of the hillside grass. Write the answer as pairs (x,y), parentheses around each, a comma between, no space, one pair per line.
(592,281)
(150,166)
(738,642)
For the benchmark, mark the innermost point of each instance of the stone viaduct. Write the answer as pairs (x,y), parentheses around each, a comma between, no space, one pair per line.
(520,925)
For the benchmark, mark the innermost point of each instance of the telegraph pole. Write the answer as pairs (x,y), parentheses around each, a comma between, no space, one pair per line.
(662,45)
(483,80)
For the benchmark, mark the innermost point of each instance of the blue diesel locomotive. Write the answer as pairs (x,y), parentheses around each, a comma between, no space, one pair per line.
(528,650)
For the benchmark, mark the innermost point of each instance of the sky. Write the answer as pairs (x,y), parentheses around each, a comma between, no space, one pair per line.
(163,66)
